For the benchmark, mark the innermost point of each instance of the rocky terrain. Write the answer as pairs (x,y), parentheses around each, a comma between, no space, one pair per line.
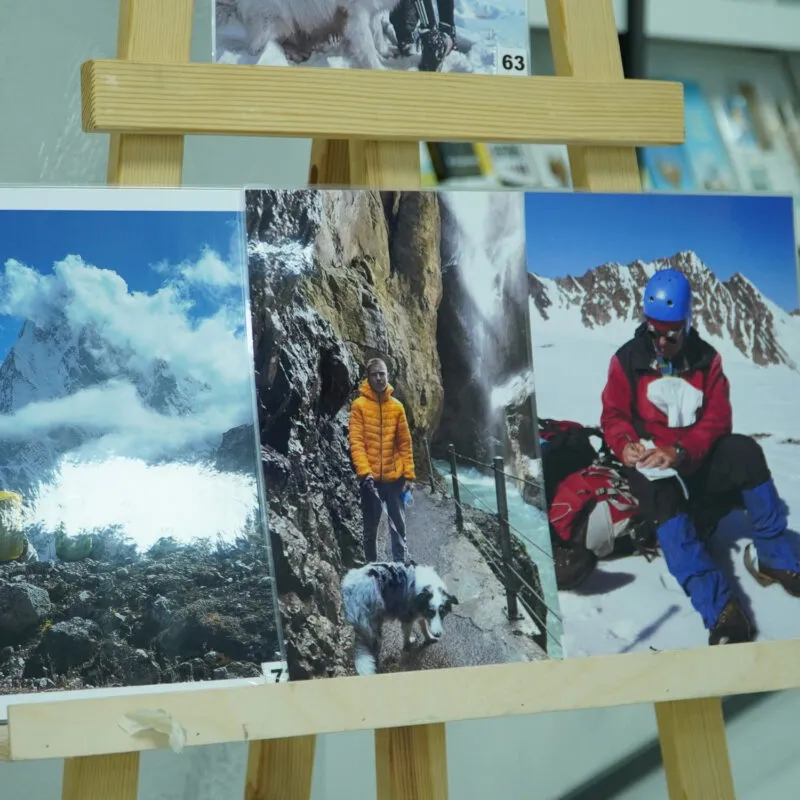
(734,309)
(339,277)
(180,613)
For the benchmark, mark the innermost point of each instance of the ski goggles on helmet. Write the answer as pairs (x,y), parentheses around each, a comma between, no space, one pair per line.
(670,331)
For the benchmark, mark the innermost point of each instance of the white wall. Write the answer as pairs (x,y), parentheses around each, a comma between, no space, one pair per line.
(42,43)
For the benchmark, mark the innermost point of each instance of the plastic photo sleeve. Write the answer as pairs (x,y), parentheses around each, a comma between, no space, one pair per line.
(396,413)
(666,341)
(133,548)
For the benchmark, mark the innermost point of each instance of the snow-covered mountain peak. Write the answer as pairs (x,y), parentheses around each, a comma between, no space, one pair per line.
(733,314)
(57,359)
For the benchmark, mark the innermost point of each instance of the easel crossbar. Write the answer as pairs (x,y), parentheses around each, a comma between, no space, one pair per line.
(71,728)
(225,99)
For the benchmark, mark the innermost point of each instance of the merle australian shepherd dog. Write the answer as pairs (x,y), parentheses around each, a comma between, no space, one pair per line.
(407,593)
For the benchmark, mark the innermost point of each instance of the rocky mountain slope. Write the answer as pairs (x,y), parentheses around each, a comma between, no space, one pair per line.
(179,613)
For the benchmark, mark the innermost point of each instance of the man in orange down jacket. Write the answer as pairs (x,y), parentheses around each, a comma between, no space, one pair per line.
(380,446)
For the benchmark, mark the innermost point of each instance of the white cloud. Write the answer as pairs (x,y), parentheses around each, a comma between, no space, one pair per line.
(211,270)
(147,327)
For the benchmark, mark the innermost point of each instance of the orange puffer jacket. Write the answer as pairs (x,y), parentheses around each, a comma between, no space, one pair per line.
(380,440)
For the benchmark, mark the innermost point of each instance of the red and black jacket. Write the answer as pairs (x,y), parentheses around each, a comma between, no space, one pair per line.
(629,416)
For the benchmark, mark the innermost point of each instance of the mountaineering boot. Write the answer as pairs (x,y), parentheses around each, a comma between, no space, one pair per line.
(437,43)
(732,626)
(778,560)
(693,568)
(403,19)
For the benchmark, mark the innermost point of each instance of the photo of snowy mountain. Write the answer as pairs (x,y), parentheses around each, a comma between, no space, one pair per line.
(586,287)
(133,546)
(390,336)
(410,35)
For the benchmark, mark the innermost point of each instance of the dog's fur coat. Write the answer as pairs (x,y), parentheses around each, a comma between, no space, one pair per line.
(276,24)
(379,591)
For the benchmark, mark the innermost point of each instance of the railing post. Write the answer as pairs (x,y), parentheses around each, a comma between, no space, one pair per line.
(505,534)
(451,452)
(430,464)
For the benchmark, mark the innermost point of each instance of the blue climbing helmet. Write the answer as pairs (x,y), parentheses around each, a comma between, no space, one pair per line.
(668,298)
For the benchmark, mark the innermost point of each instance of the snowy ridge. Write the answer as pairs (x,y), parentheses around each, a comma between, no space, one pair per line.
(732,315)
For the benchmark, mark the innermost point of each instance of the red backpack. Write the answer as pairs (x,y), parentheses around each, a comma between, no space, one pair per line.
(593,507)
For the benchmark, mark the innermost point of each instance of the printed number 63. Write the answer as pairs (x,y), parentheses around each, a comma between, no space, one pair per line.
(515,62)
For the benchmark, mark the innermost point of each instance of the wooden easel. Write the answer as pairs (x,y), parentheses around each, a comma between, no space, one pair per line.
(366,127)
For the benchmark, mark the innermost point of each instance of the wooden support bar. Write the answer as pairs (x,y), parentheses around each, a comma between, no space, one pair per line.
(412,763)
(583,38)
(64,728)
(280,769)
(229,99)
(154,31)
(113,777)
(694,751)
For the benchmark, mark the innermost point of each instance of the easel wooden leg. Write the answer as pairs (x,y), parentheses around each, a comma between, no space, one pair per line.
(412,763)
(385,165)
(110,777)
(155,30)
(584,41)
(694,750)
(583,38)
(379,165)
(280,769)
(150,30)
(330,163)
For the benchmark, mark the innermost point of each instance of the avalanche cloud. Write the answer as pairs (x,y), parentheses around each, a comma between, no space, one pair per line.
(106,381)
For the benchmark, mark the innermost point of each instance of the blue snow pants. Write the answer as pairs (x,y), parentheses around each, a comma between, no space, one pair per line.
(735,466)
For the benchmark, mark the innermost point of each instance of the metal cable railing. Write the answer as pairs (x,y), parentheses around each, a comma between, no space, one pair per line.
(501,556)
(501,565)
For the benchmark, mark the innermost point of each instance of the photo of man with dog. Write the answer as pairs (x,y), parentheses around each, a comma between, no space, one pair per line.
(409,35)
(394,392)
(667,354)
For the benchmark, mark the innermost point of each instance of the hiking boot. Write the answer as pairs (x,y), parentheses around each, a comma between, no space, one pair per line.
(437,44)
(766,576)
(403,19)
(732,626)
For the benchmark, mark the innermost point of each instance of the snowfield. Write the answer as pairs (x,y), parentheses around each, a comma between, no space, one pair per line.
(481,27)
(631,605)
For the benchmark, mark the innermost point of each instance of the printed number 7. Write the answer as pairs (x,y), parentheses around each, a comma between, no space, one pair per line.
(517,62)
(277,672)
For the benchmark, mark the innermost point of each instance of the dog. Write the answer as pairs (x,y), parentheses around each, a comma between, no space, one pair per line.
(278,26)
(391,590)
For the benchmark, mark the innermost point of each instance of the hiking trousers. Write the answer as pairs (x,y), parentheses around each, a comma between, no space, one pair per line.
(390,493)
(735,466)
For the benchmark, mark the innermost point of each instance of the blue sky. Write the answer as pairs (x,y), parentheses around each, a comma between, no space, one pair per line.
(570,233)
(129,243)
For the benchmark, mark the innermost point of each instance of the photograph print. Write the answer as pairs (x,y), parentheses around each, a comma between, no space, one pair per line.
(133,547)
(396,411)
(411,35)
(666,341)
